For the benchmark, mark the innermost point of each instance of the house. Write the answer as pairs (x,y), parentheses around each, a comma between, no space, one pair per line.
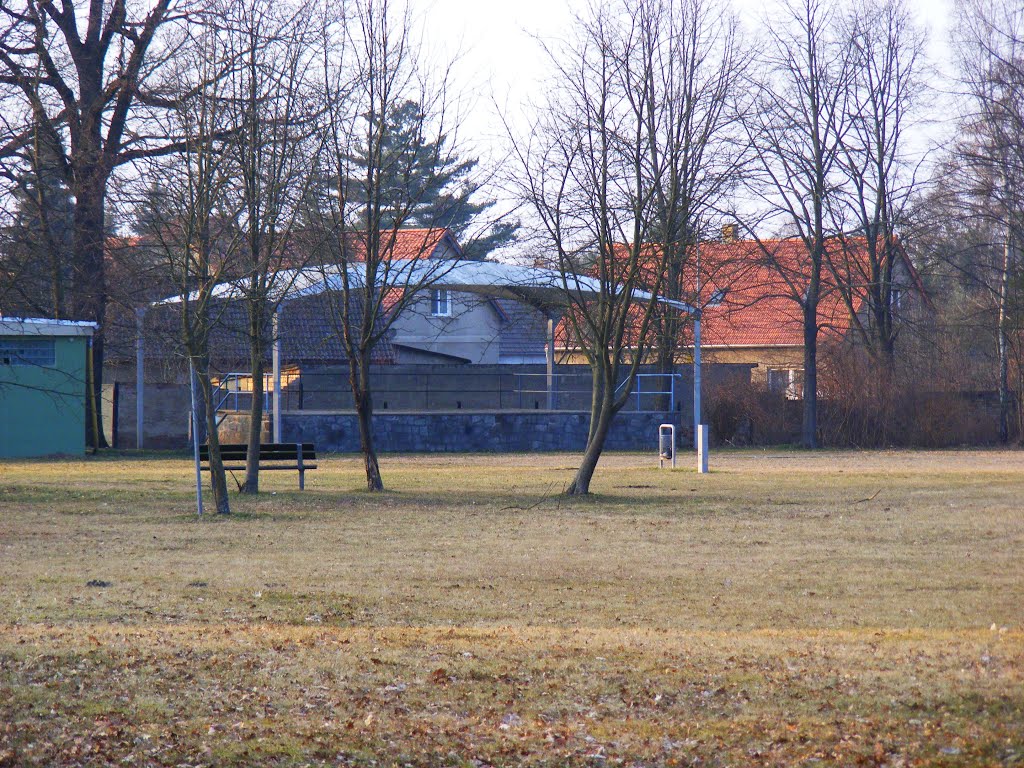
(42,386)
(447,327)
(750,312)
(438,326)
(755,316)
(456,327)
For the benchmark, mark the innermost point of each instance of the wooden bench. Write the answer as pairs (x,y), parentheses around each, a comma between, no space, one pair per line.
(273,456)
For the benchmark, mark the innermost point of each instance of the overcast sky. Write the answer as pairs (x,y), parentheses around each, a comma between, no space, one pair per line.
(502,60)
(501,64)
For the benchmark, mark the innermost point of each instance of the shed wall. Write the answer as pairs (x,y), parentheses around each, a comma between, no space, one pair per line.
(42,408)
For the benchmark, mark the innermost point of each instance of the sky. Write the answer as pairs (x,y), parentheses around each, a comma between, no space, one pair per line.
(501,64)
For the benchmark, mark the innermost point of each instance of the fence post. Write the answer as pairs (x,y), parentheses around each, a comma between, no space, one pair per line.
(550,360)
(140,378)
(276,364)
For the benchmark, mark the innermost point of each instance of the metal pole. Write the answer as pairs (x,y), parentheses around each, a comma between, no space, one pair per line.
(193,385)
(696,354)
(140,379)
(550,355)
(276,362)
(696,376)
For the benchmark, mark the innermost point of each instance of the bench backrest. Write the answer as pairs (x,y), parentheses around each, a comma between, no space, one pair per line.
(268,452)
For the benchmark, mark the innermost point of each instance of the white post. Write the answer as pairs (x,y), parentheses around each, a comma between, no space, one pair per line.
(550,355)
(276,362)
(702,449)
(140,379)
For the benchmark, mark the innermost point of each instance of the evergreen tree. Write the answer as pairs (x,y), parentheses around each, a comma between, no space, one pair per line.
(39,257)
(154,211)
(425,183)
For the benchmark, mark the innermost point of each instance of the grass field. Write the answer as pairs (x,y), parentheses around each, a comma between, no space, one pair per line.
(787,609)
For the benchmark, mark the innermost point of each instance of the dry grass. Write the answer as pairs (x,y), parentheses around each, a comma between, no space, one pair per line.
(832,608)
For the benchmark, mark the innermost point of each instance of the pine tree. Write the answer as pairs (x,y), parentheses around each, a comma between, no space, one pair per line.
(40,253)
(424,183)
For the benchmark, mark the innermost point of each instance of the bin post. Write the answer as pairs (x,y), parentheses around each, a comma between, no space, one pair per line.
(667,445)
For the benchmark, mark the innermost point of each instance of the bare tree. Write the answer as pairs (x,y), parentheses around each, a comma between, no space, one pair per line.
(75,75)
(361,212)
(879,176)
(37,257)
(991,57)
(270,90)
(194,229)
(796,129)
(694,149)
(596,173)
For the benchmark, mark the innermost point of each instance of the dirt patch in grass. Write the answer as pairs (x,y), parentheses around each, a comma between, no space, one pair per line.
(834,608)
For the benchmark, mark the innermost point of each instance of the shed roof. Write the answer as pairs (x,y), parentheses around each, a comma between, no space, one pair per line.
(37,326)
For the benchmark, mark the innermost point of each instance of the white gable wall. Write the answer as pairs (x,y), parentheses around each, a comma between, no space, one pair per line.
(471,332)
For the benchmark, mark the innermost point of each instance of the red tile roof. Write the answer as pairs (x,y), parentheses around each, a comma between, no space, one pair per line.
(405,243)
(759,284)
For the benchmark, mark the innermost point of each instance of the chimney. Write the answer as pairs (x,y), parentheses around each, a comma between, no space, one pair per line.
(730,232)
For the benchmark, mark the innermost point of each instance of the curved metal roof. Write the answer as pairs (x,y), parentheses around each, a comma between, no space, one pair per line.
(546,289)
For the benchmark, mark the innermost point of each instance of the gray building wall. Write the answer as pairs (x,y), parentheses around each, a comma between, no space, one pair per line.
(166,415)
(470,333)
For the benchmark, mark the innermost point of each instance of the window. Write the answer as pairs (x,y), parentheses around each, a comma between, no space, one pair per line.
(895,298)
(440,305)
(18,350)
(787,381)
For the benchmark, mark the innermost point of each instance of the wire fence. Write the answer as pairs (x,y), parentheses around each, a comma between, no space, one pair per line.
(448,391)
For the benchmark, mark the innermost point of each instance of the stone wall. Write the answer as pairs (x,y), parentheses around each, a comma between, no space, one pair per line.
(404,392)
(465,431)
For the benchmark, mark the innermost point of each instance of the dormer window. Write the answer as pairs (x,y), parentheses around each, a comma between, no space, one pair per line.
(440,303)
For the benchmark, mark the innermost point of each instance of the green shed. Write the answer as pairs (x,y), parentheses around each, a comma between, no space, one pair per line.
(42,386)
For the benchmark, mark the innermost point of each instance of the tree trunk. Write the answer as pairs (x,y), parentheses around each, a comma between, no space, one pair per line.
(218,480)
(1018,402)
(598,387)
(600,424)
(359,378)
(90,290)
(809,434)
(252,458)
(1003,341)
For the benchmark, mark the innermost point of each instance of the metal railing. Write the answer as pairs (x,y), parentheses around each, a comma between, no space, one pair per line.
(467,390)
(572,391)
(234,390)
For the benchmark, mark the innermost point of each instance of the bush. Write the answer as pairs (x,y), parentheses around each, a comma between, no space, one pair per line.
(740,413)
(864,405)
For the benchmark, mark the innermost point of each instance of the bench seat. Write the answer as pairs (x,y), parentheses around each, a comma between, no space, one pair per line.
(273,456)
